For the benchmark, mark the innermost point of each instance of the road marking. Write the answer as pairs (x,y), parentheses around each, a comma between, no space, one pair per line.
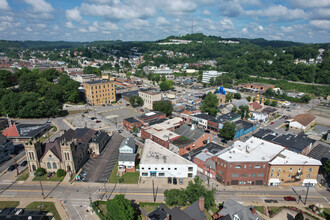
(138,194)
(276,196)
(24,190)
(77,211)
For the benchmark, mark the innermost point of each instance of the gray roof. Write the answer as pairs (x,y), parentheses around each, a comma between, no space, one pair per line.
(320,152)
(130,142)
(210,163)
(204,155)
(240,102)
(240,124)
(175,213)
(157,214)
(231,208)
(187,132)
(127,157)
(194,212)
(131,120)
(31,130)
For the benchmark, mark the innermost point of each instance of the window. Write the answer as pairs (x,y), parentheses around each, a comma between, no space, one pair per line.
(190,174)
(238,166)
(252,174)
(308,176)
(175,168)
(244,166)
(50,155)
(225,165)
(169,168)
(279,169)
(243,175)
(273,170)
(54,166)
(162,168)
(299,169)
(149,168)
(291,169)
(264,166)
(161,174)
(231,166)
(271,175)
(190,168)
(289,175)
(49,166)
(249,166)
(156,168)
(278,175)
(144,174)
(234,175)
(256,166)
(310,169)
(260,174)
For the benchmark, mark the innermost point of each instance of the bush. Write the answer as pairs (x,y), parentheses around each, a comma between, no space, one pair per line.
(60,173)
(120,180)
(40,172)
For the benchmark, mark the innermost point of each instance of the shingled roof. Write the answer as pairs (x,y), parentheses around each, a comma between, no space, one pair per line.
(304,119)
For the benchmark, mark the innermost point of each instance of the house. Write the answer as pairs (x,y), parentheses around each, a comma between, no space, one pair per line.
(127,146)
(271,112)
(126,162)
(302,122)
(190,139)
(6,148)
(195,211)
(259,116)
(68,152)
(299,143)
(290,168)
(201,120)
(157,161)
(210,147)
(217,123)
(243,128)
(25,132)
(233,210)
(254,106)
(131,123)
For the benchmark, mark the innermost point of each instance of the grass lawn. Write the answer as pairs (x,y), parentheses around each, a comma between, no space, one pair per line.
(72,112)
(149,206)
(274,210)
(24,175)
(47,206)
(8,204)
(260,209)
(53,178)
(102,206)
(127,177)
(214,209)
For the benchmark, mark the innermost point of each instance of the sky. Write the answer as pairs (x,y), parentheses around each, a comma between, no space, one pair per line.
(144,20)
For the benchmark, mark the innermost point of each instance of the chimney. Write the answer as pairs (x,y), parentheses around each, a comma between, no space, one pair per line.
(253,211)
(201,203)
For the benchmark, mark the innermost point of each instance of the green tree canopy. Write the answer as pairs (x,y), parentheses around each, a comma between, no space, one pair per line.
(210,104)
(136,101)
(228,130)
(267,102)
(244,111)
(274,103)
(237,96)
(120,208)
(163,106)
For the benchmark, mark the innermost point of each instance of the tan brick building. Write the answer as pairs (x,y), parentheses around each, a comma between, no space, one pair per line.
(100,92)
(149,97)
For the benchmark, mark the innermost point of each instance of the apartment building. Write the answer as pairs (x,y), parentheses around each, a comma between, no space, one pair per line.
(149,97)
(100,92)
(207,75)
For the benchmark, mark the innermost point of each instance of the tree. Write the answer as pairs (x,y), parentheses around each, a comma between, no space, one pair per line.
(175,197)
(237,96)
(274,103)
(305,98)
(299,216)
(40,172)
(244,111)
(210,104)
(269,92)
(228,130)
(135,129)
(27,82)
(229,97)
(60,173)
(136,101)
(163,106)
(163,78)
(248,98)
(120,208)
(267,102)
(326,167)
(163,86)
(234,109)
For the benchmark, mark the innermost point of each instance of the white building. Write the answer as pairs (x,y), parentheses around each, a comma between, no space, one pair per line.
(259,116)
(127,146)
(207,75)
(149,97)
(157,161)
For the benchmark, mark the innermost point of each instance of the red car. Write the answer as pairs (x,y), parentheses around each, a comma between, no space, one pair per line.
(272,123)
(289,198)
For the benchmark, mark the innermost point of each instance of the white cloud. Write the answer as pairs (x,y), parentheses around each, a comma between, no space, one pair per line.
(92,29)
(320,13)
(231,8)
(245,30)
(310,3)
(162,20)
(69,25)
(55,28)
(41,25)
(260,27)
(83,30)
(286,29)
(28,29)
(278,11)
(320,24)
(106,26)
(207,12)
(137,24)
(179,6)
(73,14)
(226,24)
(40,6)
(4,5)
(106,1)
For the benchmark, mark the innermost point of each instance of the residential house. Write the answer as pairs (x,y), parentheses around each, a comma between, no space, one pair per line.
(190,139)
(127,146)
(254,106)
(6,148)
(259,117)
(25,132)
(126,162)
(271,112)
(157,161)
(233,210)
(302,122)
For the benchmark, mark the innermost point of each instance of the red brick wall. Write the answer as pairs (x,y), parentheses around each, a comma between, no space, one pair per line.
(130,169)
(214,125)
(130,126)
(199,143)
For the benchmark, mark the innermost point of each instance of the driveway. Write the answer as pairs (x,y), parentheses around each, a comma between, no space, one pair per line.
(99,169)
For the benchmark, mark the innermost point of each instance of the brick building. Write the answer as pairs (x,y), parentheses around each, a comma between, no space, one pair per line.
(100,92)
(130,123)
(256,86)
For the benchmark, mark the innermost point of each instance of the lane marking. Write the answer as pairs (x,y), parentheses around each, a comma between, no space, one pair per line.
(277,196)
(77,211)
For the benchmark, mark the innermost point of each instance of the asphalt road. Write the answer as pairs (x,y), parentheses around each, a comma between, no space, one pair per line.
(99,169)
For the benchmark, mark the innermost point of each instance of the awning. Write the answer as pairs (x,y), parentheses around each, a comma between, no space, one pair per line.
(274,181)
(312,181)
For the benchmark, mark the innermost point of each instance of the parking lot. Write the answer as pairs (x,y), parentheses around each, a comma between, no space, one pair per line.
(118,115)
(88,120)
(99,169)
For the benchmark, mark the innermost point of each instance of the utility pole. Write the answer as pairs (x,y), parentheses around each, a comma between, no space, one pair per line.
(90,197)
(208,179)
(42,189)
(307,194)
(153,191)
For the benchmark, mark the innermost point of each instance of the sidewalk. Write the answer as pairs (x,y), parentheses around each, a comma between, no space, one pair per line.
(23,202)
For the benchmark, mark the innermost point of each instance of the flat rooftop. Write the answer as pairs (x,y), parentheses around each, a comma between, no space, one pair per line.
(170,123)
(150,92)
(154,153)
(162,134)
(253,150)
(99,81)
(288,157)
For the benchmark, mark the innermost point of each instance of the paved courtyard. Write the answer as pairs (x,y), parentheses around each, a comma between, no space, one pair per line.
(118,115)
(84,120)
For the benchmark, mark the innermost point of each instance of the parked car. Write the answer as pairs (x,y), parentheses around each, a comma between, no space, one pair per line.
(272,123)
(127,104)
(23,164)
(175,181)
(289,198)
(169,180)
(19,212)
(11,168)
(180,181)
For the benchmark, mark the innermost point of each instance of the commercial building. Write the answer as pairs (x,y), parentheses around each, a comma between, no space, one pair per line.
(25,132)
(207,75)
(149,97)
(244,128)
(6,148)
(302,122)
(215,124)
(100,92)
(130,123)
(290,168)
(256,86)
(157,161)
(68,152)
(151,116)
